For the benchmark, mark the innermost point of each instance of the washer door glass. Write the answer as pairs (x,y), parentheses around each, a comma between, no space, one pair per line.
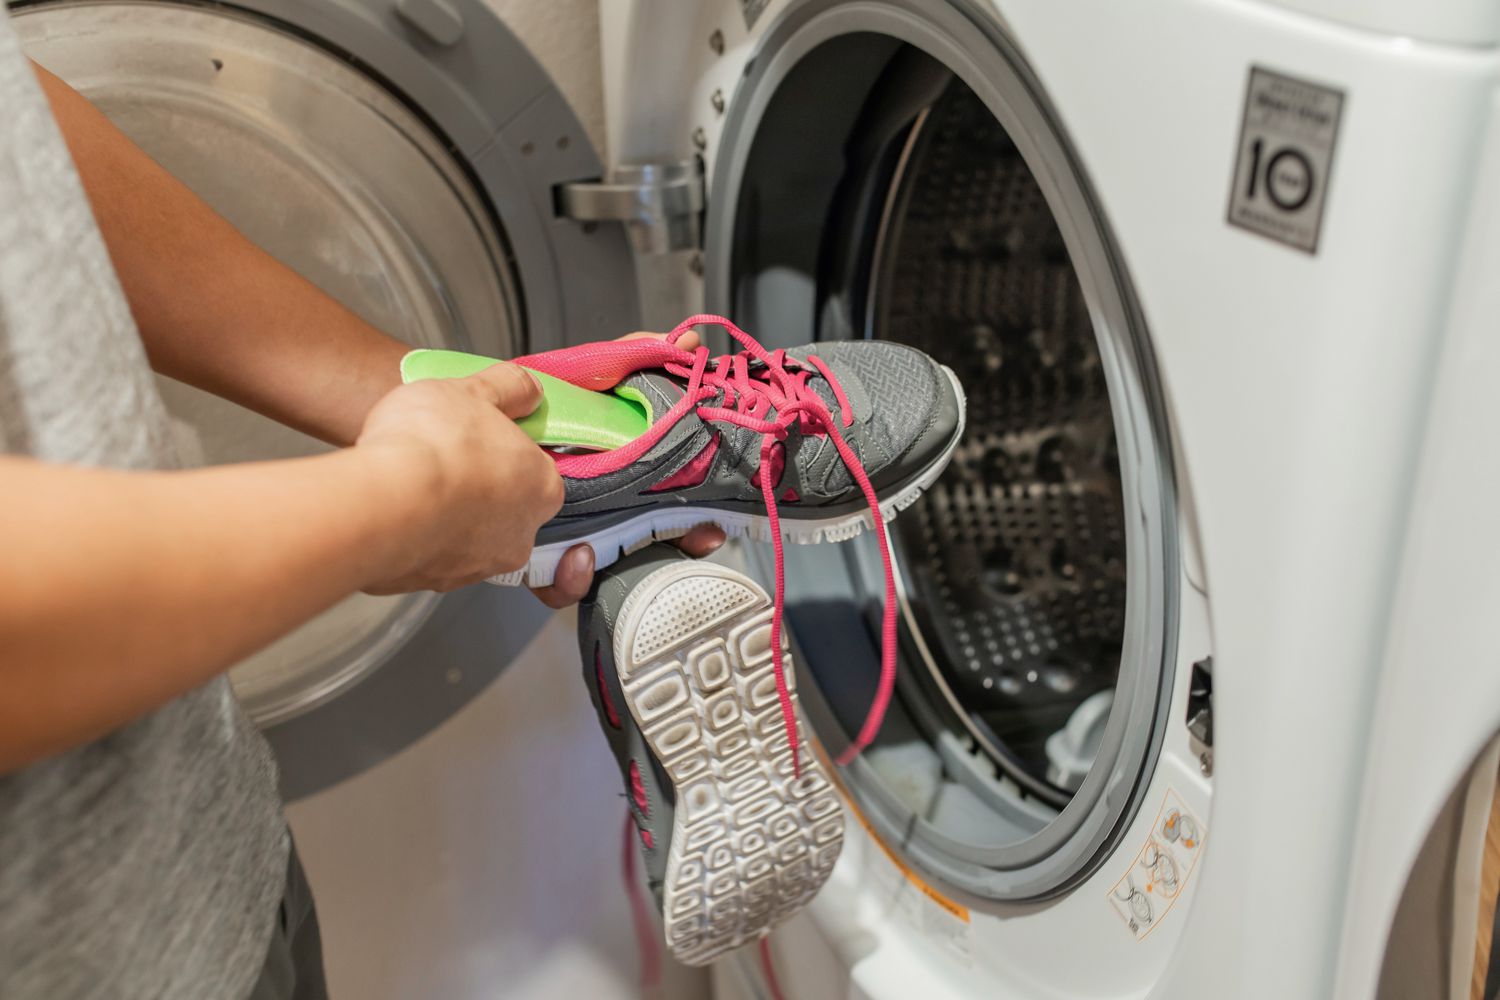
(336,177)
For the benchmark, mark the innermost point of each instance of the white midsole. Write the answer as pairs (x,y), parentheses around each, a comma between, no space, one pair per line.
(663,522)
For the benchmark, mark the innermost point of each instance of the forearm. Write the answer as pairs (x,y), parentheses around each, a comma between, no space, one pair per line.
(120,591)
(214,310)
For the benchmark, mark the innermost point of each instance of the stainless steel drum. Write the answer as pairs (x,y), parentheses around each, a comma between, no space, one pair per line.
(1015,560)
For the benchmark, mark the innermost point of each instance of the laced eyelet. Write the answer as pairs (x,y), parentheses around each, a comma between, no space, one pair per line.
(741,395)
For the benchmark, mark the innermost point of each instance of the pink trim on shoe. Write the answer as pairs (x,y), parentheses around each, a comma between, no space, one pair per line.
(640,913)
(777,466)
(604,698)
(603,366)
(638,791)
(693,473)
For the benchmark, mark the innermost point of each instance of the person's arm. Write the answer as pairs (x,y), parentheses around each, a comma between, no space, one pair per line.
(217,312)
(214,310)
(122,590)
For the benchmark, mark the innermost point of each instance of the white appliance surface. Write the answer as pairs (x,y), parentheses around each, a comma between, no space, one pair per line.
(563,35)
(1336,533)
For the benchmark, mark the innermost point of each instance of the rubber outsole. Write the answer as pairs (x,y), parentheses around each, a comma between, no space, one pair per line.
(751,843)
(666,522)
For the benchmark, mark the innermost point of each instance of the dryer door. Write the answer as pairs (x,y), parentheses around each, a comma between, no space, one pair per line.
(405,164)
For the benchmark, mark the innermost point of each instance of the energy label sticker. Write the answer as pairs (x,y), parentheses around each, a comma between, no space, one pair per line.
(1285,158)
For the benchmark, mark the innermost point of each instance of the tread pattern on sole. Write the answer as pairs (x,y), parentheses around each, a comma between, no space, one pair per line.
(751,844)
(666,522)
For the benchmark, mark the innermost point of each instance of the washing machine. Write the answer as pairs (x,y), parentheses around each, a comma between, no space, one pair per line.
(1195,698)
(1193,656)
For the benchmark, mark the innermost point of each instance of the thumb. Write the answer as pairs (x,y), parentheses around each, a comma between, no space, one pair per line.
(513,390)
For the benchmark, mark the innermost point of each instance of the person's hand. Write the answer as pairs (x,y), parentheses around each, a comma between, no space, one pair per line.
(575,573)
(479,487)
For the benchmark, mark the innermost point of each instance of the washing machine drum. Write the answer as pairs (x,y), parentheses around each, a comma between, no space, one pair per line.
(948,213)
(1015,561)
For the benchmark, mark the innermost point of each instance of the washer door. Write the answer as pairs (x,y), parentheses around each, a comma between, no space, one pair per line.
(892,170)
(402,211)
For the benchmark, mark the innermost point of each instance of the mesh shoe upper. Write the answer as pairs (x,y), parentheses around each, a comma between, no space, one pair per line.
(904,409)
(905,412)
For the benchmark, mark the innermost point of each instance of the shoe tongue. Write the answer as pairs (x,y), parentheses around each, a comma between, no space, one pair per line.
(659,392)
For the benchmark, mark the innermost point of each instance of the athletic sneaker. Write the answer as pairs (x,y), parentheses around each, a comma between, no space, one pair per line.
(803,441)
(677,656)
(805,446)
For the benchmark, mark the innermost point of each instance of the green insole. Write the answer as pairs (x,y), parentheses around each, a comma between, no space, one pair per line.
(567,417)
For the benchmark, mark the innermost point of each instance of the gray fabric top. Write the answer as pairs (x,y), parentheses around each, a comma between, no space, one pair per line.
(149,863)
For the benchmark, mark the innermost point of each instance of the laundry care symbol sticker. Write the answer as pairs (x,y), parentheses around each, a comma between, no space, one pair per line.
(1285,158)
(1160,869)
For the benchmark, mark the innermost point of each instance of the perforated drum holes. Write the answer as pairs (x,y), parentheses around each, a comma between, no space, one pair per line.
(871,187)
(1018,552)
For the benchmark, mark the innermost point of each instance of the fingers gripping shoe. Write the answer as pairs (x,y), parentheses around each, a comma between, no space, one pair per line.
(677,658)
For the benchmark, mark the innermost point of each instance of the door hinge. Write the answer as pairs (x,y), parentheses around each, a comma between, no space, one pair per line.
(661,204)
(1200,713)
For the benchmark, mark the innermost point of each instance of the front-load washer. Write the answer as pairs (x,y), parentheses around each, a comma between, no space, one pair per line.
(1196,263)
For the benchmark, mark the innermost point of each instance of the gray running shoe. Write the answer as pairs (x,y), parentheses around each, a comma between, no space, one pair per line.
(677,658)
(824,422)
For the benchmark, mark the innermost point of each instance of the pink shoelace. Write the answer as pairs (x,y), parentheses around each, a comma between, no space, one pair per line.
(768,969)
(745,397)
(640,910)
(786,391)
